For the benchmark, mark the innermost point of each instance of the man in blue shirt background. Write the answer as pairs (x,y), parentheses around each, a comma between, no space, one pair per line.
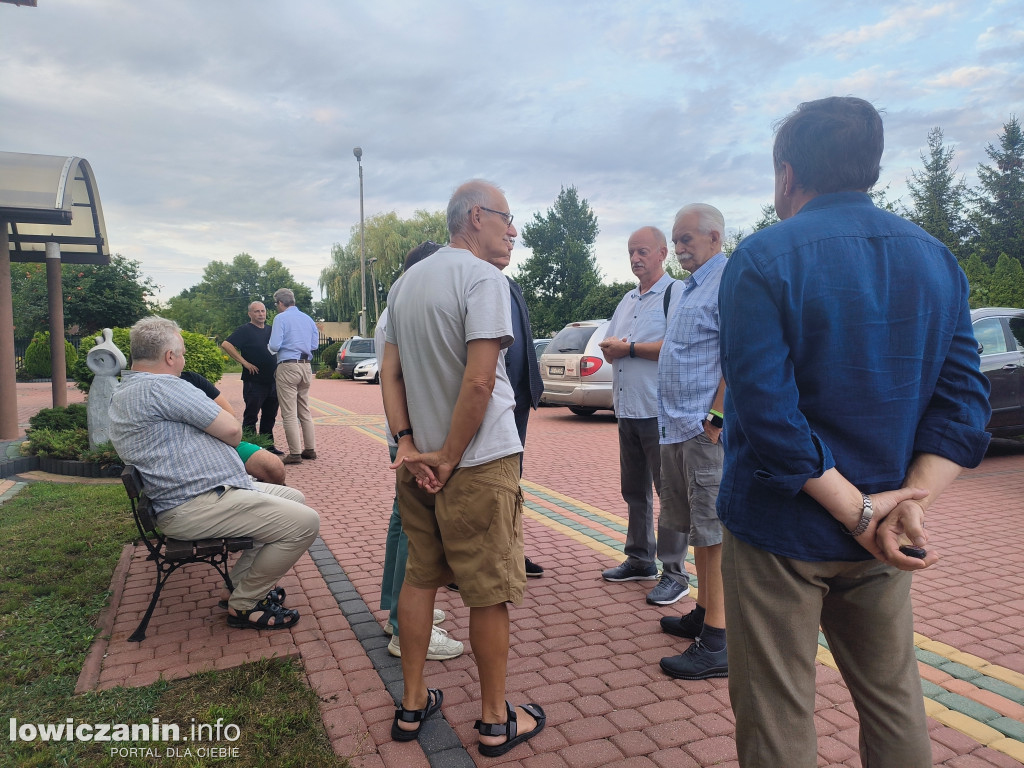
(854,398)
(293,338)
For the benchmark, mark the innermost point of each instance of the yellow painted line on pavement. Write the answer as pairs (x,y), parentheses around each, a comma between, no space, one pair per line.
(575,502)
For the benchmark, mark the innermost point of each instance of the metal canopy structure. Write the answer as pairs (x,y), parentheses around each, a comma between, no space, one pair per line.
(52,199)
(49,211)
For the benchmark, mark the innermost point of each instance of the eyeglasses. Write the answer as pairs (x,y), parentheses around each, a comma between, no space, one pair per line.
(506,216)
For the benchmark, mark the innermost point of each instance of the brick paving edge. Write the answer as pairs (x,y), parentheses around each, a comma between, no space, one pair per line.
(89,677)
(438,740)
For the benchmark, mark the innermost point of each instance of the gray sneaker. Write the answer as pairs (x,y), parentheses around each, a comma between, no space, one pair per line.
(627,572)
(697,663)
(667,592)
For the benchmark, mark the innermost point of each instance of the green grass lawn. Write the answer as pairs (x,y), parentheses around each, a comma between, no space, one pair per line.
(59,544)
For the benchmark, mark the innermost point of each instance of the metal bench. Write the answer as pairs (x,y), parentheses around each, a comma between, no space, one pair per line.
(169,554)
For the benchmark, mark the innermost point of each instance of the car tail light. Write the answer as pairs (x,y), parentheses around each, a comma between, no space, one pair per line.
(589,365)
(341,356)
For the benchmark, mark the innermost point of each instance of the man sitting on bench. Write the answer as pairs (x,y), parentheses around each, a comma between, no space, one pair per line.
(183,444)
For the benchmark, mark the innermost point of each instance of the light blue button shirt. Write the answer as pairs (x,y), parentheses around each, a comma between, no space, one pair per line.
(294,335)
(689,368)
(640,317)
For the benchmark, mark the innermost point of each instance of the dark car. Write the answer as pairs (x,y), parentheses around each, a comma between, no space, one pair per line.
(999,332)
(352,353)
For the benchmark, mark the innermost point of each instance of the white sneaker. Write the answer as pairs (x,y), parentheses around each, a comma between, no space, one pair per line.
(438,618)
(441,646)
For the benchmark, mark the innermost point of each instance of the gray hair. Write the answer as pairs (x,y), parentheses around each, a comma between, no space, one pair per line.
(152,336)
(473,192)
(709,218)
(286,296)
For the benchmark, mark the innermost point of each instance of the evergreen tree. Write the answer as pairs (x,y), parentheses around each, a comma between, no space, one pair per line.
(979,277)
(999,204)
(938,196)
(562,271)
(1007,283)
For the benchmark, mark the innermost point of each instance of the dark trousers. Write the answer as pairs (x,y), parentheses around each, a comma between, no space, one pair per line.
(259,397)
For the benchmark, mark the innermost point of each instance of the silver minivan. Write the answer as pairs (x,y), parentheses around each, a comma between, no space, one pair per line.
(575,372)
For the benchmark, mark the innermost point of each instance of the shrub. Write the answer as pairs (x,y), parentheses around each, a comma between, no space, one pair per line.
(58,444)
(324,373)
(59,419)
(103,454)
(37,356)
(329,355)
(202,355)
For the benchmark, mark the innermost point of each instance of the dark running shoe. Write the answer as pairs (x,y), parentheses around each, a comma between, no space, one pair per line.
(697,663)
(533,571)
(627,572)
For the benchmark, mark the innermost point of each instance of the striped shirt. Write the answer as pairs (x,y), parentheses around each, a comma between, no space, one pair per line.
(156,423)
(689,367)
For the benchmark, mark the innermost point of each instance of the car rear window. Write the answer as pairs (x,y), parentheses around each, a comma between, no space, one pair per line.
(571,339)
(361,346)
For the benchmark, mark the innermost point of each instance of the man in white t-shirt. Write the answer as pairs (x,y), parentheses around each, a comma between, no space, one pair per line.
(449,402)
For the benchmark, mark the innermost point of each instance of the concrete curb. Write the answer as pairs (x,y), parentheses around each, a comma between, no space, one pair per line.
(437,739)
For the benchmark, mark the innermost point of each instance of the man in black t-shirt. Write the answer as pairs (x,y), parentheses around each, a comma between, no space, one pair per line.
(248,346)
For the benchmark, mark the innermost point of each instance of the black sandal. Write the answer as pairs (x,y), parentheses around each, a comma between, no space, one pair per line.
(276,595)
(434,699)
(509,730)
(283,617)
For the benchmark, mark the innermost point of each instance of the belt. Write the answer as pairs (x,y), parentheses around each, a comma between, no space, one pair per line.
(292,361)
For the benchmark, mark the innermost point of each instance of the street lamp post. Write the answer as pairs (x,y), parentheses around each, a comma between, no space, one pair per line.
(373,279)
(358,152)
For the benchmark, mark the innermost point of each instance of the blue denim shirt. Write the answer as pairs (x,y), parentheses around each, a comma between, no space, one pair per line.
(847,342)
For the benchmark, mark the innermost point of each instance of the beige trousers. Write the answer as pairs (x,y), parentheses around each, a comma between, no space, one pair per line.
(273,515)
(773,606)
(293,396)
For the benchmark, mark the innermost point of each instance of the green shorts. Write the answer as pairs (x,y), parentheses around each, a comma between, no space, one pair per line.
(246,450)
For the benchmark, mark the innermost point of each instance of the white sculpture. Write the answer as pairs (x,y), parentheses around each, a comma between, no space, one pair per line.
(106,361)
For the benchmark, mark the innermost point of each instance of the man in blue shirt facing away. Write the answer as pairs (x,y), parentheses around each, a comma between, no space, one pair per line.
(854,398)
(293,339)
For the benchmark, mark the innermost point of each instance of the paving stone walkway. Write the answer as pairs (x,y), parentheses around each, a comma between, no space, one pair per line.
(586,650)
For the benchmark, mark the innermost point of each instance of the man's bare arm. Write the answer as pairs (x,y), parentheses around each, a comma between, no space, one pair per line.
(226,428)
(235,355)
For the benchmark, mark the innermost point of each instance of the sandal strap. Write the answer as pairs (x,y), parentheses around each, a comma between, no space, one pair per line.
(508,728)
(415,715)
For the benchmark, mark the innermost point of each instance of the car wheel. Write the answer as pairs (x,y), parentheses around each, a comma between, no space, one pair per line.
(580,411)
(376,378)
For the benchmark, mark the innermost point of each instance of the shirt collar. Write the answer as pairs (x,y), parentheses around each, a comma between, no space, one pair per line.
(701,273)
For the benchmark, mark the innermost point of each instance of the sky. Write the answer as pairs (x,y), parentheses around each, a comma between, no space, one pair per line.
(216,127)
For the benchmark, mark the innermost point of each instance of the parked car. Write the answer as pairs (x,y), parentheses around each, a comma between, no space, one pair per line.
(539,345)
(575,372)
(352,352)
(367,371)
(999,332)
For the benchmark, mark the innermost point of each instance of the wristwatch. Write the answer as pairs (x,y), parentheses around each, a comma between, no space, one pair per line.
(402,434)
(715,419)
(865,517)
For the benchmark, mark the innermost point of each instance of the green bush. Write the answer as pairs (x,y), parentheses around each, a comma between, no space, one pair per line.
(58,444)
(37,356)
(329,355)
(202,355)
(103,454)
(58,419)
